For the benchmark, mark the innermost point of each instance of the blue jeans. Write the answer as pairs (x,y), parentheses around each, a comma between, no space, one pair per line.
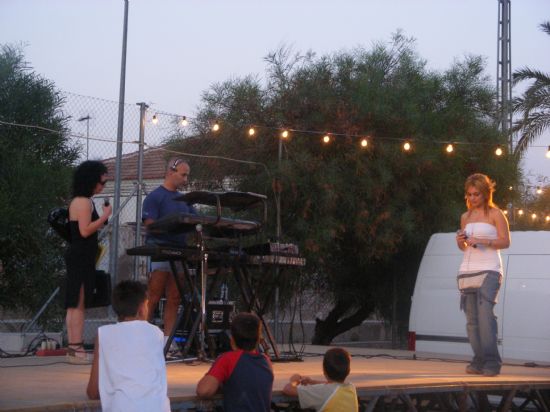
(481,324)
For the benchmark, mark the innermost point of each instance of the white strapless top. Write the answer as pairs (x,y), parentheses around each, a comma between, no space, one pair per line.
(482,257)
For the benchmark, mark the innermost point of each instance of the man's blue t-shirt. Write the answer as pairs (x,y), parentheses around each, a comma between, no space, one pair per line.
(160,203)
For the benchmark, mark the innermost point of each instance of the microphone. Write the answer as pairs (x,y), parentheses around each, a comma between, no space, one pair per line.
(106,202)
(466,237)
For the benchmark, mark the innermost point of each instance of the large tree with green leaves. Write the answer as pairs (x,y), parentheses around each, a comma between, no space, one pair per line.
(533,105)
(35,166)
(361,216)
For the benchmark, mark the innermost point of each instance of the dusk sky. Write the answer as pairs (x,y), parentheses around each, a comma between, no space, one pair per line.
(177,49)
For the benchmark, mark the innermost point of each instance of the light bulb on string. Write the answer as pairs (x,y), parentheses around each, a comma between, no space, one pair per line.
(215,127)
(539,190)
(499,151)
(450,148)
(184,121)
(364,143)
(326,139)
(520,212)
(505,212)
(251,132)
(547,218)
(407,146)
(548,153)
(534,216)
(155,119)
(284,134)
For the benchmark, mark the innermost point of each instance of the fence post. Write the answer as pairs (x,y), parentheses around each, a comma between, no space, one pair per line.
(142,110)
(113,250)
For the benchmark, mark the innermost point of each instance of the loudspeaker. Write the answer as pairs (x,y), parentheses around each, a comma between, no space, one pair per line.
(219,316)
(102,290)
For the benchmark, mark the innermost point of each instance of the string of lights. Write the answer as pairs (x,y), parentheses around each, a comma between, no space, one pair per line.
(364,141)
(522,213)
(285,133)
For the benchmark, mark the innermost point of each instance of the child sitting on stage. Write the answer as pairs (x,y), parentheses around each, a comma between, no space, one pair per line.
(332,395)
(246,376)
(129,372)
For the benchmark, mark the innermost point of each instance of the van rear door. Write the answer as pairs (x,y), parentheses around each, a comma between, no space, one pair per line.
(526,323)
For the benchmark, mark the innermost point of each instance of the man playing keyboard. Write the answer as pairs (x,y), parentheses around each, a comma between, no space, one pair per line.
(159,203)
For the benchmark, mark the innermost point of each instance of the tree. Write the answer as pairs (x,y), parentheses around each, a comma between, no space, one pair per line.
(361,217)
(533,105)
(35,166)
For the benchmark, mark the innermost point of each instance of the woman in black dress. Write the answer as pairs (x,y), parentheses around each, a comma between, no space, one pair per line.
(88,180)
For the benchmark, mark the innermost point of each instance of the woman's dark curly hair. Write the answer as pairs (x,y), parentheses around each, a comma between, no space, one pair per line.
(86,176)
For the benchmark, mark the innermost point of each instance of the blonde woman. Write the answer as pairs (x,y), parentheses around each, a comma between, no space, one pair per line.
(483,232)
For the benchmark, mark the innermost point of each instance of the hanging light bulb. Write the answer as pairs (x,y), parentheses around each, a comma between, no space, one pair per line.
(184,121)
(547,218)
(326,138)
(407,146)
(539,190)
(364,142)
(284,134)
(510,188)
(251,131)
(520,212)
(215,127)
(548,153)
(155,119)
(499,151)
(534,216)
(505,212)
(450,148)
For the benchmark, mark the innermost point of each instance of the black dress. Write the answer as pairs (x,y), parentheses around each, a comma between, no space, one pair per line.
(80,260)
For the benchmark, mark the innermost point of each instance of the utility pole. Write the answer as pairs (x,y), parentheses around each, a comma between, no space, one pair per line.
(278,233)
(87,119)
(504,71)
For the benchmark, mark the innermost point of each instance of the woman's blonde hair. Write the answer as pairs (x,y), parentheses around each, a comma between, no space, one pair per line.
(485,186)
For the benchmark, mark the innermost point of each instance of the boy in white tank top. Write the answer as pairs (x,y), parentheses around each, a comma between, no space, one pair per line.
(129,377)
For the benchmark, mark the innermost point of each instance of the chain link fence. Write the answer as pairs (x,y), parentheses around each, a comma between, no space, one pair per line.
(93,125)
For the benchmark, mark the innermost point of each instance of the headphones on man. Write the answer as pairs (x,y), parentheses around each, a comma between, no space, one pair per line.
(177,162)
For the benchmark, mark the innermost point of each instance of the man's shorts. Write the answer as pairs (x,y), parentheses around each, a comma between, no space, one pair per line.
(165,267)
(160,266)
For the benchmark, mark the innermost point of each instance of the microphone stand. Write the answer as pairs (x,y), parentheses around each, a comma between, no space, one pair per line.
(203,265)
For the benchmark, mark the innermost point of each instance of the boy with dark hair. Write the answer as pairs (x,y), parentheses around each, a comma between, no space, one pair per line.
(245,375)
(332,395)
(129,377)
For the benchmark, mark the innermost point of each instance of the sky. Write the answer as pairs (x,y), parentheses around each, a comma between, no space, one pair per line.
(177,49)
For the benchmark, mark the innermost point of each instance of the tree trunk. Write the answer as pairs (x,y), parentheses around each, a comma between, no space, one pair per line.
(326,330)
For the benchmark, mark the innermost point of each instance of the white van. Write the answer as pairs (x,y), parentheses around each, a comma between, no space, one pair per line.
(436,323)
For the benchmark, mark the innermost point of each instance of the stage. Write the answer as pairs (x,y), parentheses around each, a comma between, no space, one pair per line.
(383,378)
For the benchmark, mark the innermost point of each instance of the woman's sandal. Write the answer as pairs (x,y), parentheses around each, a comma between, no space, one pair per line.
(77,355)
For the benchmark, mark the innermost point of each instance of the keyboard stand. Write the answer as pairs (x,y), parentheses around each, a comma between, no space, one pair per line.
(188,306)
(243,278)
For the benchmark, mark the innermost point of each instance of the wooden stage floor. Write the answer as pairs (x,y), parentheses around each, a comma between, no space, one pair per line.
(49,383)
